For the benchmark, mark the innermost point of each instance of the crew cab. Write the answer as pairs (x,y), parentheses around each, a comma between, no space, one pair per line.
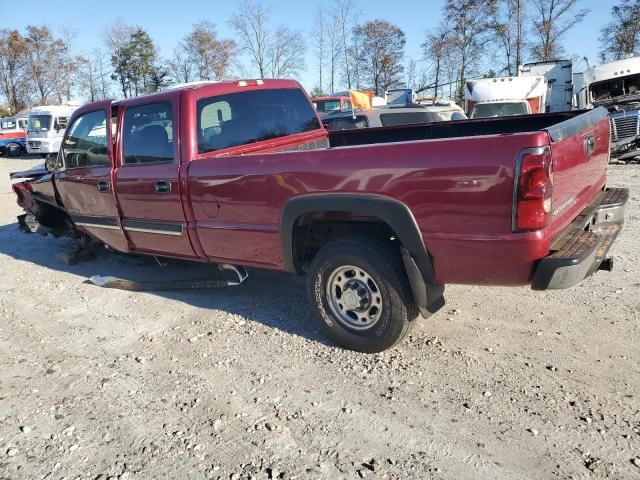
(379,219)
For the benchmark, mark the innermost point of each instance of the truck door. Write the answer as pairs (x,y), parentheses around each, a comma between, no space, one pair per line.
(85,183)
(147,177)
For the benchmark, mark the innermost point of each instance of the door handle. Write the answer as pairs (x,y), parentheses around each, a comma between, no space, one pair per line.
(102,186)
(162,186)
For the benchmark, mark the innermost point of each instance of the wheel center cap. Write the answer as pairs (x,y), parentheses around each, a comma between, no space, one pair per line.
(351,299)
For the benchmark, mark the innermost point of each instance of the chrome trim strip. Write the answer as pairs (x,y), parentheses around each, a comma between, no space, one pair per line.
(151,226)
(97,225)
(151,230)
(577,124)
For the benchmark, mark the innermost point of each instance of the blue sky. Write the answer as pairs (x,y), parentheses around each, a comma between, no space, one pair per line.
(168,24)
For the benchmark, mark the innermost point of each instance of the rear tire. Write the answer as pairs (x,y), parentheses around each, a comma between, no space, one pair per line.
(360,294)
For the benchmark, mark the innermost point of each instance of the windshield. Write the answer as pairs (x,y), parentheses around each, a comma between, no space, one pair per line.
(39,123)
(485,110)
(615,87)
(326,106)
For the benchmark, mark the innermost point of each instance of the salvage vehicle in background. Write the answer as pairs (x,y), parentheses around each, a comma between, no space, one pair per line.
(13,135)
(336,103)
(379,219)
(390,115)
(46,128)
(559,78)
(615,86)
(503,97)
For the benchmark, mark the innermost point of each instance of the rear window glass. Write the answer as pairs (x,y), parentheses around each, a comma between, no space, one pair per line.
(346,123)
(404,118)
(247,117)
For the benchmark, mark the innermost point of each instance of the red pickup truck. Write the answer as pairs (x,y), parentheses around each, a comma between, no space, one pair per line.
(378,219)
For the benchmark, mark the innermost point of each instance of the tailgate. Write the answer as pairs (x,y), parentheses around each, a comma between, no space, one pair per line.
(580,154)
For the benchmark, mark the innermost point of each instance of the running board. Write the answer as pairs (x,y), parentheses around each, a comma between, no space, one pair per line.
(135,286)
(239,271)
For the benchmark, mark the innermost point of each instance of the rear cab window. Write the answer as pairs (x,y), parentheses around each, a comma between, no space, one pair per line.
(243,118)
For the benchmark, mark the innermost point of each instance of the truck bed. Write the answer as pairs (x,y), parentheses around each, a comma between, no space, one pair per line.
(451,129)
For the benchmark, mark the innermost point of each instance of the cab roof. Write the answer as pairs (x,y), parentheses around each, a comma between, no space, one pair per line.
(209,89)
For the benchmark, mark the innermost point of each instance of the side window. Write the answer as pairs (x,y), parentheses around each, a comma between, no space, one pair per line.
(85,145)
(148,134)
(61,123)
(248,117)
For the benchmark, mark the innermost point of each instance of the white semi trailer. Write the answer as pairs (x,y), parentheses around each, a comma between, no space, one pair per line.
(559,76)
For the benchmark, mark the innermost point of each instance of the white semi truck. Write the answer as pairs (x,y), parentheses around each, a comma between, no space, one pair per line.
(46,128)
(559,76)
(501,97)
(615,86)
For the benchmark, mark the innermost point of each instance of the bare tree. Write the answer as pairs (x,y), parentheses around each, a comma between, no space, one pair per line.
(103,73)
(276,53)
(42,57)
(319,36)
(285,53)
(14,82)
(94,76)
(210,57)
(554,18)
(345,16)
(88,81)
(621,36)
(65,66)
(180,66)
(250,23)
(468,34)
(334,49)
(380,50)
(435,48)
(508,19)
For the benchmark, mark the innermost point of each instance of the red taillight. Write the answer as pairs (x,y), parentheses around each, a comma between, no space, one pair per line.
(534,189)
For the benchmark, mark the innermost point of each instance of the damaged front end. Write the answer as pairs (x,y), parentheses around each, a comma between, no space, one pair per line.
(621,97)
(36,194)
(625,131)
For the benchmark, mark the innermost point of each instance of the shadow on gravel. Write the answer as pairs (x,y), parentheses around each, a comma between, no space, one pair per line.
(275,299)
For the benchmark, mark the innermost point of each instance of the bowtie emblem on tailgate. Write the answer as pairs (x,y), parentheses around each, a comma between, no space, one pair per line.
(589,145)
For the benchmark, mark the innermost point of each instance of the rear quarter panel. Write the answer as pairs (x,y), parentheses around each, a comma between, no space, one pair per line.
(460,191)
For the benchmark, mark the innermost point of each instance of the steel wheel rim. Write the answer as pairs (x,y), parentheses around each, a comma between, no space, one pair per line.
(354,297)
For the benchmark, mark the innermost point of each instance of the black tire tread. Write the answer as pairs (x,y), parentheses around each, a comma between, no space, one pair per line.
(385,257)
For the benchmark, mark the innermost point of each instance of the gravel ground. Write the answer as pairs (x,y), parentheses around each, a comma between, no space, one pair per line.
(239,383)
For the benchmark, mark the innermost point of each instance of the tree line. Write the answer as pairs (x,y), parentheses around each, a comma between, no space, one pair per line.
(39,67)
